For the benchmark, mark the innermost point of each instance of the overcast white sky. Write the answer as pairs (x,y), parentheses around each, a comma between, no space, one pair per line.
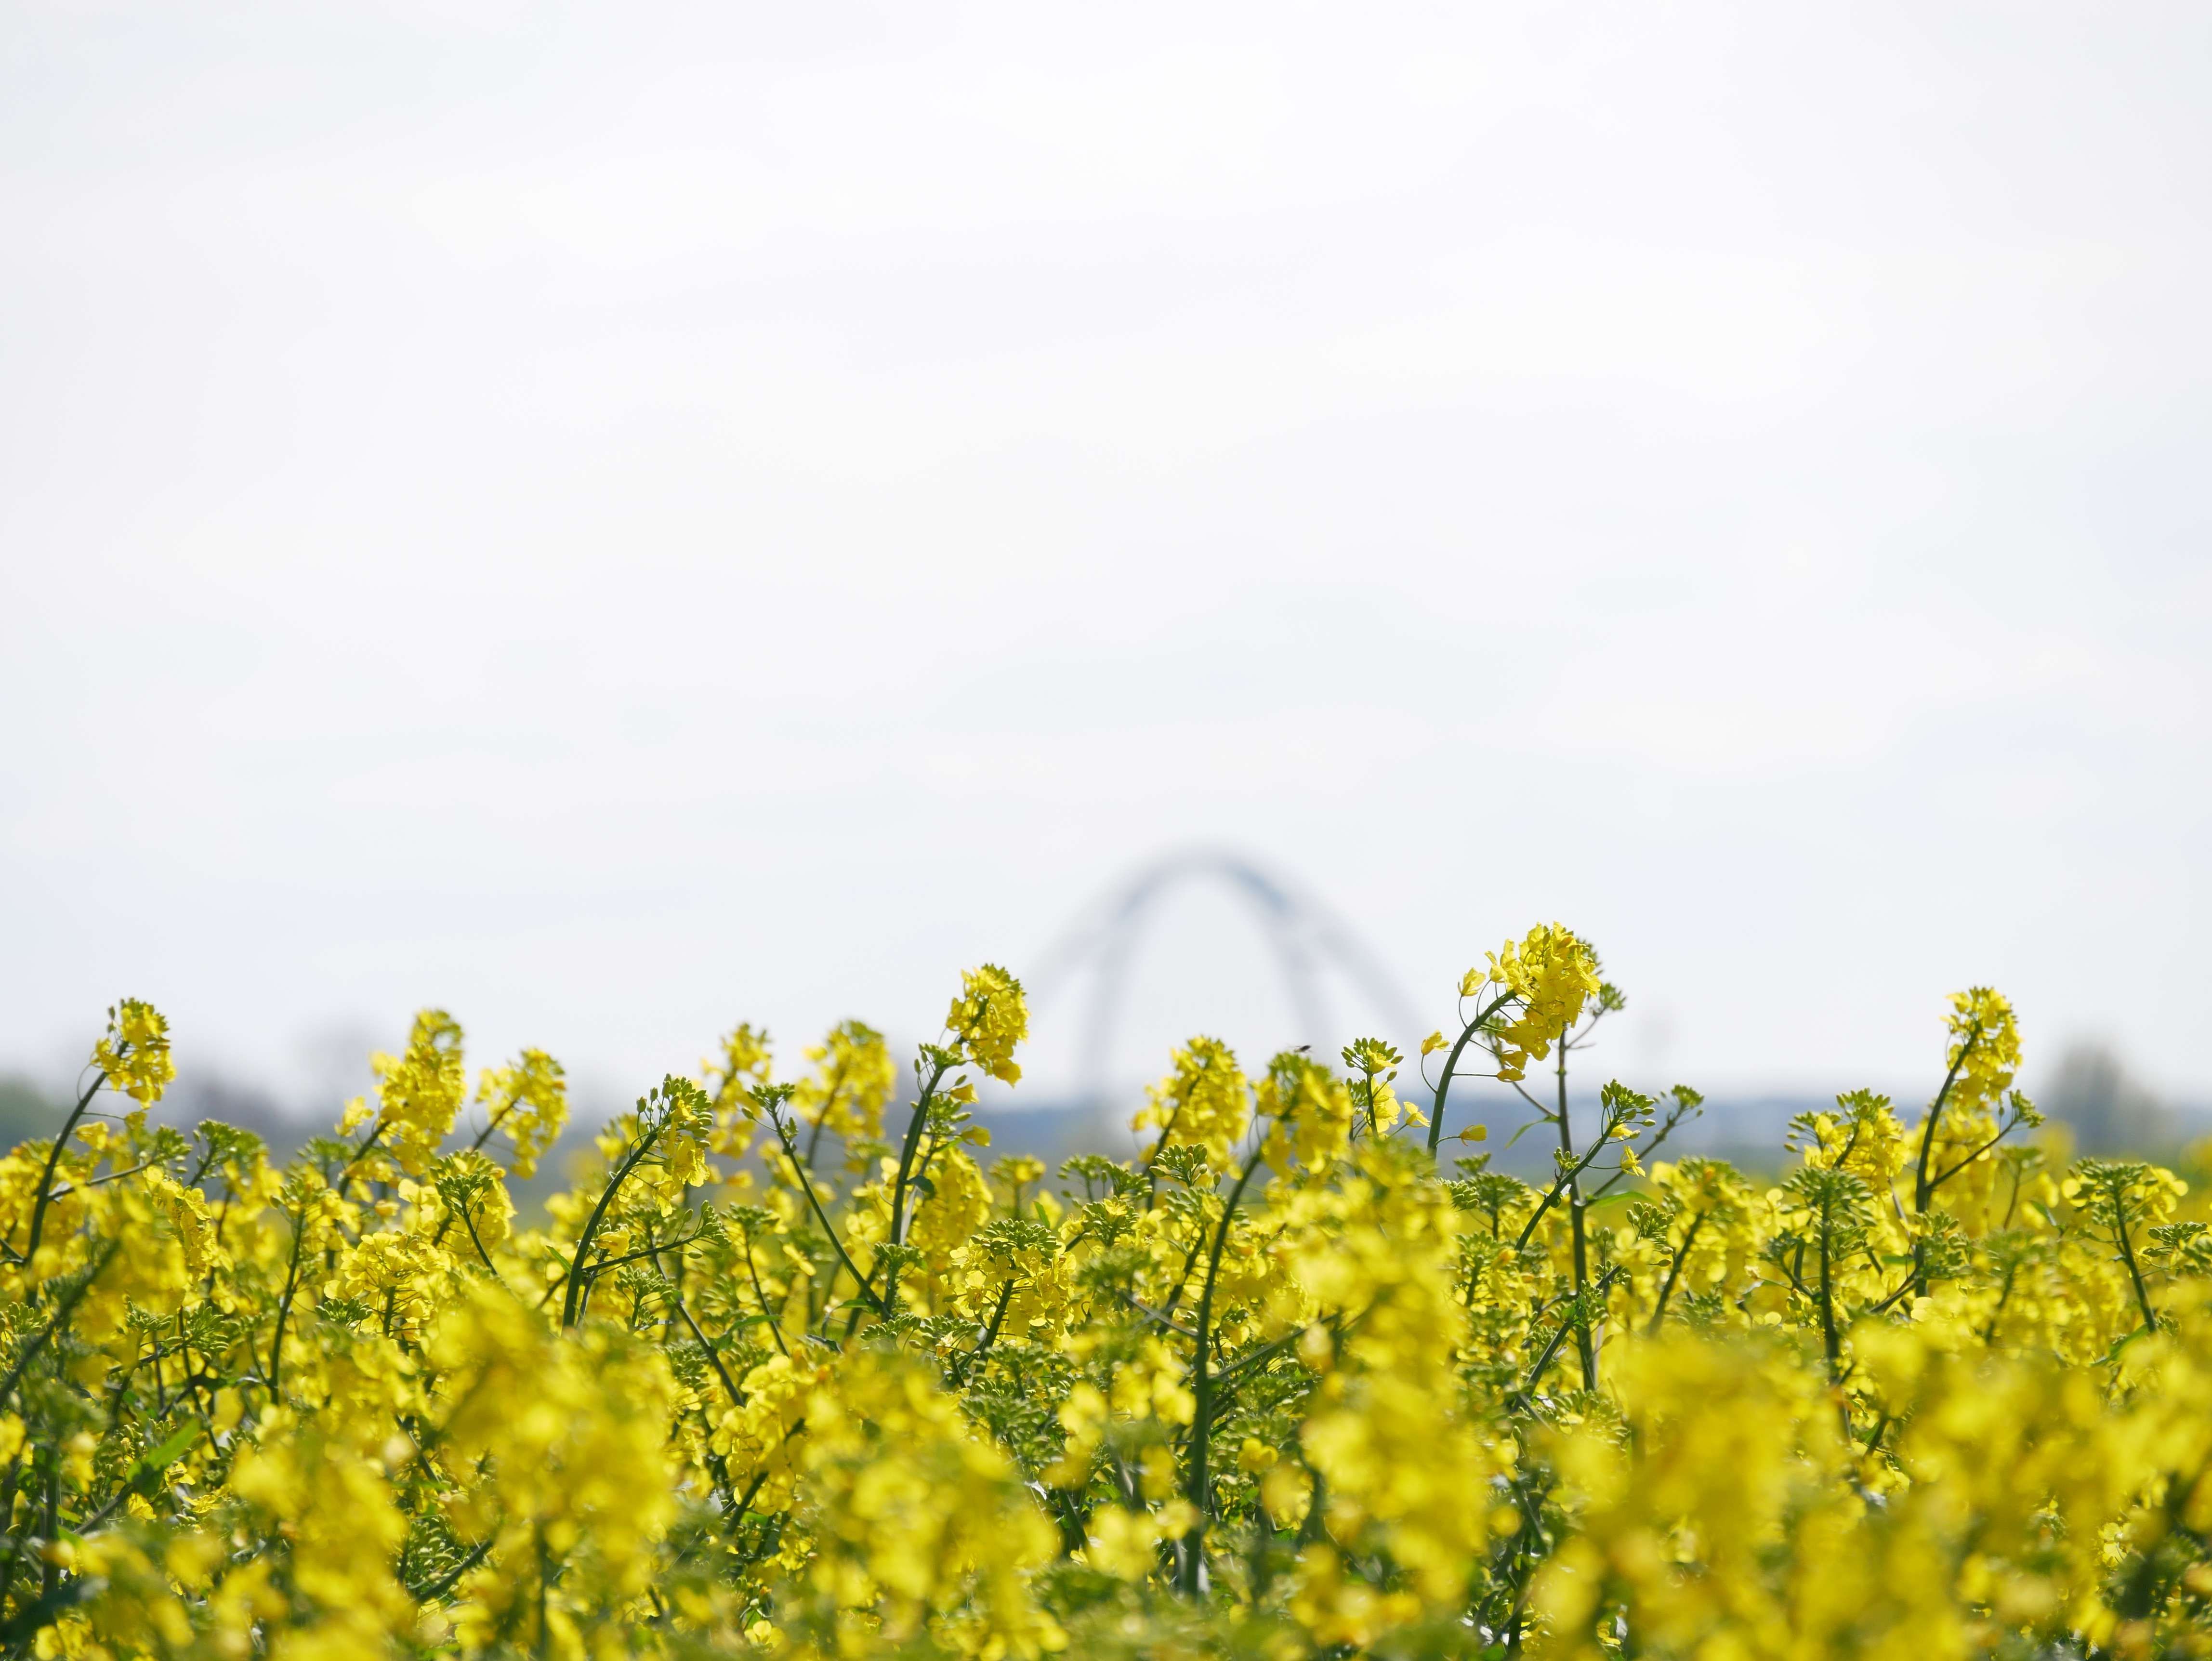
(610,519)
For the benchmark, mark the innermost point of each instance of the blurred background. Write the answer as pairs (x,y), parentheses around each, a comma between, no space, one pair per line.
(614,520)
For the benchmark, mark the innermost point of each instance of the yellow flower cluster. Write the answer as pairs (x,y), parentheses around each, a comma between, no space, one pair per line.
(419,1092)
(1204,1102)
(133,1058)
(1542,983)
(987,1020)
(1984,1046)
(1280,1387)
(853,1082)
(527,1101)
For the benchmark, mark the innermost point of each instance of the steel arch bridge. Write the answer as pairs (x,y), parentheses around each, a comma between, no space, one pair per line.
(1304,935)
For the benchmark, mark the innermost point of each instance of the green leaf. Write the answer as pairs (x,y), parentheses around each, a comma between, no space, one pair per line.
(172,1450)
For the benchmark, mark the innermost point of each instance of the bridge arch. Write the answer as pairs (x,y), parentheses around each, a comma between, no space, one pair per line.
(1303,935)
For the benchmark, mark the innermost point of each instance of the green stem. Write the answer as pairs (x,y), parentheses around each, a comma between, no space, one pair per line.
(1202,1392)
(53,1161)
(1444,1084)
(737,1395)
(783,1137)
(62,1312)
(908,1149)
(990,1334)
(1584,1349)
(1675,1271)
(1922,1189)
(775,1320)
(1830,1341)
(2127,1256)
(284,1309)
(572,1296)
(452,1578)
(476,1240)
